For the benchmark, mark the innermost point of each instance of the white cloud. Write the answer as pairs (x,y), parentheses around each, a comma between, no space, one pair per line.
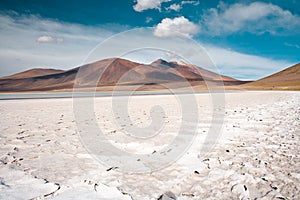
(175,7)
(243,66)
(195,3)
(65,45)
(45,38)
(257,17)
(142,5)
(179,26)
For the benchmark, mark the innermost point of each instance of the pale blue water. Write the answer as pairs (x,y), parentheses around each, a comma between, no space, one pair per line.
(49,95)
(71,94)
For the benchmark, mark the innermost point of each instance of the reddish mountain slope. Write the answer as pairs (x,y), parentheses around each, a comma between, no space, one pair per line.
(108,72)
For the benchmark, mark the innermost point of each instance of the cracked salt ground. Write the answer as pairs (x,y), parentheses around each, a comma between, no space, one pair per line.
(257,156)
(17,184)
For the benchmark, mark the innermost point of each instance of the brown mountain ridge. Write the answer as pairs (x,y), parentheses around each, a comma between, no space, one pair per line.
(33,73)
(107,73)
(288,79)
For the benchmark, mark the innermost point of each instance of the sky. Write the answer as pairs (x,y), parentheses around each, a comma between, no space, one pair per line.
(245,39)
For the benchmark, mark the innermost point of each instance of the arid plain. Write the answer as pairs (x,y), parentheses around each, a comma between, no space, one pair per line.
(256,155)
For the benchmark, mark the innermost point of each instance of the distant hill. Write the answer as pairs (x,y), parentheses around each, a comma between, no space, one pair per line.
(114,71)
(33,73)
(288,78)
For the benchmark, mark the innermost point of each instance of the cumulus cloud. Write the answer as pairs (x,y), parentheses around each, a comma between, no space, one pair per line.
(142,5)
(175,7)
(177,27)
(256,17)
(178,6)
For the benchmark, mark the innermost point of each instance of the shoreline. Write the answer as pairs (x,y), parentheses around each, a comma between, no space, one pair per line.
(18,96)
(64,95)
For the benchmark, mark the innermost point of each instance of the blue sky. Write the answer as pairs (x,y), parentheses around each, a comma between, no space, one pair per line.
(245,39)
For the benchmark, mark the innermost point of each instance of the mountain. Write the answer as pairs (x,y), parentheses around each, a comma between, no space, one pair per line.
(288,78)
(33,73)
(190,72)
(113,71)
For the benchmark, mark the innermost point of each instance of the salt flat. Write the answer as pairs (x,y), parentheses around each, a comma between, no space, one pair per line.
(255,156)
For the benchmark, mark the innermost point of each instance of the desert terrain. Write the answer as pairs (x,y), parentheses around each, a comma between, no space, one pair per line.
(256,155)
